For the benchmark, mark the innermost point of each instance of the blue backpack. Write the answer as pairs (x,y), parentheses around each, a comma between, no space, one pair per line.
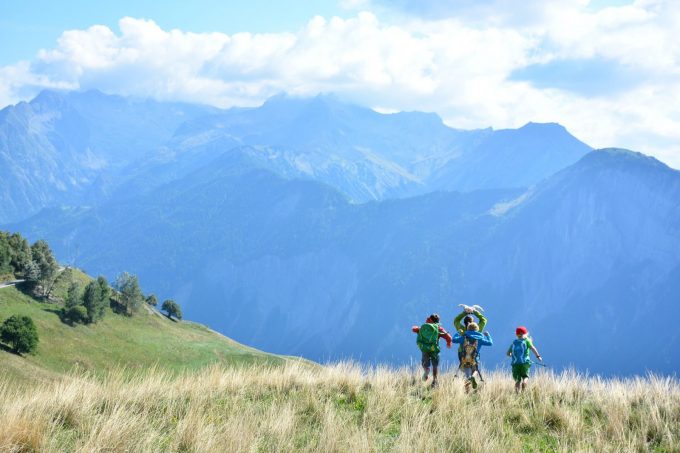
(519,352)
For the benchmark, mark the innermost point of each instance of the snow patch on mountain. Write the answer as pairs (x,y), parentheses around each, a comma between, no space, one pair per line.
(503,207)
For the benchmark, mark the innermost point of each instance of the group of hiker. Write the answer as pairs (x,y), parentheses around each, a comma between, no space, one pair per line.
(470,336)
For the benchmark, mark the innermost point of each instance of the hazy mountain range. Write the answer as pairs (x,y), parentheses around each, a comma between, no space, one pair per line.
(84,148)
(313,227)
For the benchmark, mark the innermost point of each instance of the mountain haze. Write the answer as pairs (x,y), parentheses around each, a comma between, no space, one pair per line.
(85,148)
(72,147)
(314,227)
(372,156)
(512,158)
(591,257)
(291,266)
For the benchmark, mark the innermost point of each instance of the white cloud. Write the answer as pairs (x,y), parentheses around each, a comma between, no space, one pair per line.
(458,67)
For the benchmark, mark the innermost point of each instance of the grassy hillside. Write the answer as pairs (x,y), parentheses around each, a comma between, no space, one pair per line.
(139,342)
(337,409)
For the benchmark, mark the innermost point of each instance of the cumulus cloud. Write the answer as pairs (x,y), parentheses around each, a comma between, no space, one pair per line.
(611,75)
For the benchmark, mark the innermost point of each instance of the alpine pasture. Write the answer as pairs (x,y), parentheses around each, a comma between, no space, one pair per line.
(335,408)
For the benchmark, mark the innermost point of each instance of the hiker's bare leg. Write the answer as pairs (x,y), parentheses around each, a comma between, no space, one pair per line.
(518,386)
(525,383)
(426,373)
(473,381)
(435,373)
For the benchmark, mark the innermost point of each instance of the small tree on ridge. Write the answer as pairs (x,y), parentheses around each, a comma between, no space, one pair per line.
(152,300)
(130,297)
(172,309)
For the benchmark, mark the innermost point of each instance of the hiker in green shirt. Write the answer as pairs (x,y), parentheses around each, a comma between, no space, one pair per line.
(521,361)
(466,317)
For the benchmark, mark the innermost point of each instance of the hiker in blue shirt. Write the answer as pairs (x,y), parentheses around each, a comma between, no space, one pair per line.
(521,361)
(471,341)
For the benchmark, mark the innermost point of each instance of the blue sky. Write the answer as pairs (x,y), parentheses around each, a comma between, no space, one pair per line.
(608,70)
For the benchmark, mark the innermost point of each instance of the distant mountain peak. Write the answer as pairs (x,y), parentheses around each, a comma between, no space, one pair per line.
(539,125)
(622,153)
(49,97)
(55,98)
(612,157)
(547,128)
(321,98)
(614,163)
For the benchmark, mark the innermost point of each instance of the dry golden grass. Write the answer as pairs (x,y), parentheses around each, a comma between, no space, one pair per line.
(340,408)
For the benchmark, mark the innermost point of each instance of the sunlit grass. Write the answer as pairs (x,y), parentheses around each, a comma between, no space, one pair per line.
(137,342)
(338,408)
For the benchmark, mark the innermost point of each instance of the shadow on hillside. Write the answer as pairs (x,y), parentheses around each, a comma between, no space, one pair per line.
(118,308)
(6,348)
(26,289)
(29,290)
(61,315)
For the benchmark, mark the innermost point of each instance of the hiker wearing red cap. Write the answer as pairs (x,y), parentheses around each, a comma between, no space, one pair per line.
(428,342)
(521,362)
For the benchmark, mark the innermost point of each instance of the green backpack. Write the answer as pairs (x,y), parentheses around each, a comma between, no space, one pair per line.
(428,337)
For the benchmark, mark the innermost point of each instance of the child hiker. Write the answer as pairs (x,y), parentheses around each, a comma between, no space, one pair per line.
(466,317)
(428,342)
(521,362)
(471,341)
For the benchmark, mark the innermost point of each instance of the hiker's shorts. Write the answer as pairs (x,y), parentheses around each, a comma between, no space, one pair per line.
(520,371)
(430,357)
(468,372)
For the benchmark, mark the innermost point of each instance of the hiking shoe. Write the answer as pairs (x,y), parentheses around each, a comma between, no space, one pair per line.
(435,384)
(473,381)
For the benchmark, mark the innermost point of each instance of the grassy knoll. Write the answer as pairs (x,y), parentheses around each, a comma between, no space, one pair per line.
(338,408)
(65,278)
(137,342)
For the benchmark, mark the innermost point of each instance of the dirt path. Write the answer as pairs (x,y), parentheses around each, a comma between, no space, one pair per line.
(10,283)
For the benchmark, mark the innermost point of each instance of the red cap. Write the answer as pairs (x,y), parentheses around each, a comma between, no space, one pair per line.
(521,330)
